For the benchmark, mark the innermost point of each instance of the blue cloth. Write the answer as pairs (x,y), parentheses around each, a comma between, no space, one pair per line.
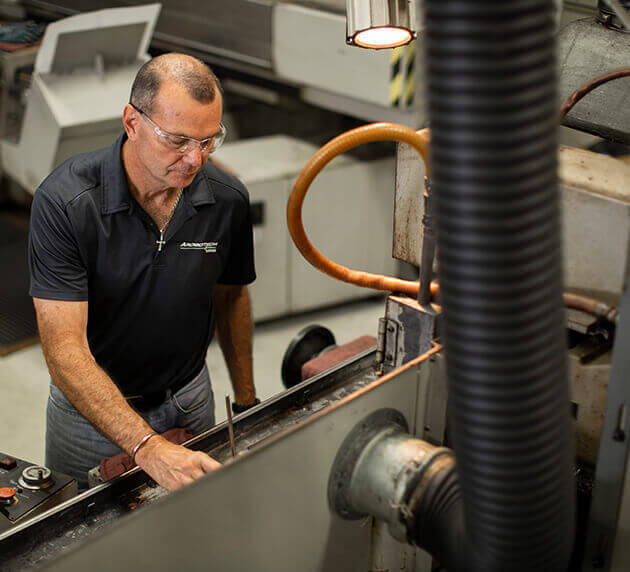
(21,32)
(74,447)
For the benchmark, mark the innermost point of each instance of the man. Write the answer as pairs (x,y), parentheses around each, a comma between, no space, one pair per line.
(135,250)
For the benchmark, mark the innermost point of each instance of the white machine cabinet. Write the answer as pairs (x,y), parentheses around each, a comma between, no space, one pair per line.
(348,215)
(80,85)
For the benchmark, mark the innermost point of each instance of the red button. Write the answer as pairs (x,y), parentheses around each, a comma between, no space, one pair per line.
(6,493)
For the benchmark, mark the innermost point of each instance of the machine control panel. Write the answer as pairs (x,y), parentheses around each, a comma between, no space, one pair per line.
(27,489)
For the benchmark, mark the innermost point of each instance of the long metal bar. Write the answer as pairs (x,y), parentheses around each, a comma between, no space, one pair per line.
(228,408)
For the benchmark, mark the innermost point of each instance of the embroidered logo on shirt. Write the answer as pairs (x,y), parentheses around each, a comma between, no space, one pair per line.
(205,246)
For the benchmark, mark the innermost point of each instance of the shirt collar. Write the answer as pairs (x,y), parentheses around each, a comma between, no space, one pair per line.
(200,191)
(116,196)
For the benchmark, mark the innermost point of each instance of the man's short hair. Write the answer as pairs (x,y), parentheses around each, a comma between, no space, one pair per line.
(188,72)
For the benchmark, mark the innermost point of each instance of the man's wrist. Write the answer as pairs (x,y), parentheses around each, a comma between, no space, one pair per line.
(148,448)
(241,407)
(141,443)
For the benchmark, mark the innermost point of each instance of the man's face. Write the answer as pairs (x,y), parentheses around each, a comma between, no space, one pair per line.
(177,113)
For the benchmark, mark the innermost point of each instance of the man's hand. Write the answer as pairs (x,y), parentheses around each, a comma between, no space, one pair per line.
(173,466)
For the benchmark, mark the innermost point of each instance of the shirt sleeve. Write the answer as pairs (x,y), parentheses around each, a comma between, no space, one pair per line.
(57,269)
(239,268)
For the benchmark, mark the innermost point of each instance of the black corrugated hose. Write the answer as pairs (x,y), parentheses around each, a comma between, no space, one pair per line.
(492,108)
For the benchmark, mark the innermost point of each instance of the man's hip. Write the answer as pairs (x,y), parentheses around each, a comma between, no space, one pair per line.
(73,446)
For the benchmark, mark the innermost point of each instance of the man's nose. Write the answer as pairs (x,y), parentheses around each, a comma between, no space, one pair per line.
(193,156)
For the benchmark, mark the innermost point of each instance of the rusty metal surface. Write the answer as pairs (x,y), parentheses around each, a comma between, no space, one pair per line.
(594,173)
(408,205)
(595,192)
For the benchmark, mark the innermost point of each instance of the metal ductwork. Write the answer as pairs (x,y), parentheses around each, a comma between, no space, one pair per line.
(508,503)
(492,92)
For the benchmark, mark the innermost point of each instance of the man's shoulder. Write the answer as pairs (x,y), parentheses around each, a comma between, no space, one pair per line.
(225,183)
(74,177)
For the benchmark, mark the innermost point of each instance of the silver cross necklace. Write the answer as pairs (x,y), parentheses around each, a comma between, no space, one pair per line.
(162,242)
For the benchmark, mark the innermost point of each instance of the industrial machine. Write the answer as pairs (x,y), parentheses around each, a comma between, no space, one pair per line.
(69,71)
(362,467)
(27,490)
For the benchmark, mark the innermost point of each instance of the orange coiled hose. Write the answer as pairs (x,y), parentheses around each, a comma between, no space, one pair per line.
(335,147)
(419,141)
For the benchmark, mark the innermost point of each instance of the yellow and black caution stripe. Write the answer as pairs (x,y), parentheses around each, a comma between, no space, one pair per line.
(410,74)
(396,78)
(402,82)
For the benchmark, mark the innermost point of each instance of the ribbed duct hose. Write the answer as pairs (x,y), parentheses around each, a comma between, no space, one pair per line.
(491,91)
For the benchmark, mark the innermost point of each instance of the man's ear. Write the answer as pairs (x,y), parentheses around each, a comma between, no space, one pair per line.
(131,121)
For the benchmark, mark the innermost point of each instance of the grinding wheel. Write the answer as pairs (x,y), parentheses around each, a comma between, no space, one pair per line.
(307,344)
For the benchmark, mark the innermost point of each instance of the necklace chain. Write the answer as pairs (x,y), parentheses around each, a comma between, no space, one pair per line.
(170,216)
(162,242)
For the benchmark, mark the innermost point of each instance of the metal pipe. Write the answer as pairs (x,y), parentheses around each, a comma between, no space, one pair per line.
(381,470)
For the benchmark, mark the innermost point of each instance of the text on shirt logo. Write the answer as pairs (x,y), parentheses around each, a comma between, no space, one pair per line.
(205,246)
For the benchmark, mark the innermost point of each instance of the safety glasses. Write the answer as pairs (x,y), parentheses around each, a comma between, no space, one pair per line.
(183,144)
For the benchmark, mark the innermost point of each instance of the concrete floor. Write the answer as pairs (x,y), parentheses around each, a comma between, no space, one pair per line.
(24,377)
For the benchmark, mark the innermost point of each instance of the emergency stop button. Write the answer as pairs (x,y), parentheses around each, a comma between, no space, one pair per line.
(7,495)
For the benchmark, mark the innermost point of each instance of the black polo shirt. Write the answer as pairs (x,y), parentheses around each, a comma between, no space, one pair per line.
(150,313)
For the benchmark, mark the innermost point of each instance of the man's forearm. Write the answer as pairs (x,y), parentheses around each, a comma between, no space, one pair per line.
(97,398)
(95,395)
(234,327)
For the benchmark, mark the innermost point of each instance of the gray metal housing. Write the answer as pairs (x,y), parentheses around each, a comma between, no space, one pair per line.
(586,50)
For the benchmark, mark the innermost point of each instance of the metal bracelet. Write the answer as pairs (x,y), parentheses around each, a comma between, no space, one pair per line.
(140,445)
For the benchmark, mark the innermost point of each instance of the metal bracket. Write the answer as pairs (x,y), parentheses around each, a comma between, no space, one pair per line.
(387,342)
(391,343)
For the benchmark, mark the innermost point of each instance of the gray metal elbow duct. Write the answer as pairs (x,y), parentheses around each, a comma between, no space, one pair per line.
(492,107)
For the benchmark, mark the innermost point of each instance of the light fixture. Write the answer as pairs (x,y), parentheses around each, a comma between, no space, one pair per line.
(379,24)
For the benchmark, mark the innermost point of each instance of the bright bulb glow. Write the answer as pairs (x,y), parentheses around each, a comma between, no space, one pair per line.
(384,37)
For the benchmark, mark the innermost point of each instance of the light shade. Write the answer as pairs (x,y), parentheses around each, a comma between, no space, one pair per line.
(379,24)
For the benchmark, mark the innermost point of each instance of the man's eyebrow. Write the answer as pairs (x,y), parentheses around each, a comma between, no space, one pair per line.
(211,136)
(194,138)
